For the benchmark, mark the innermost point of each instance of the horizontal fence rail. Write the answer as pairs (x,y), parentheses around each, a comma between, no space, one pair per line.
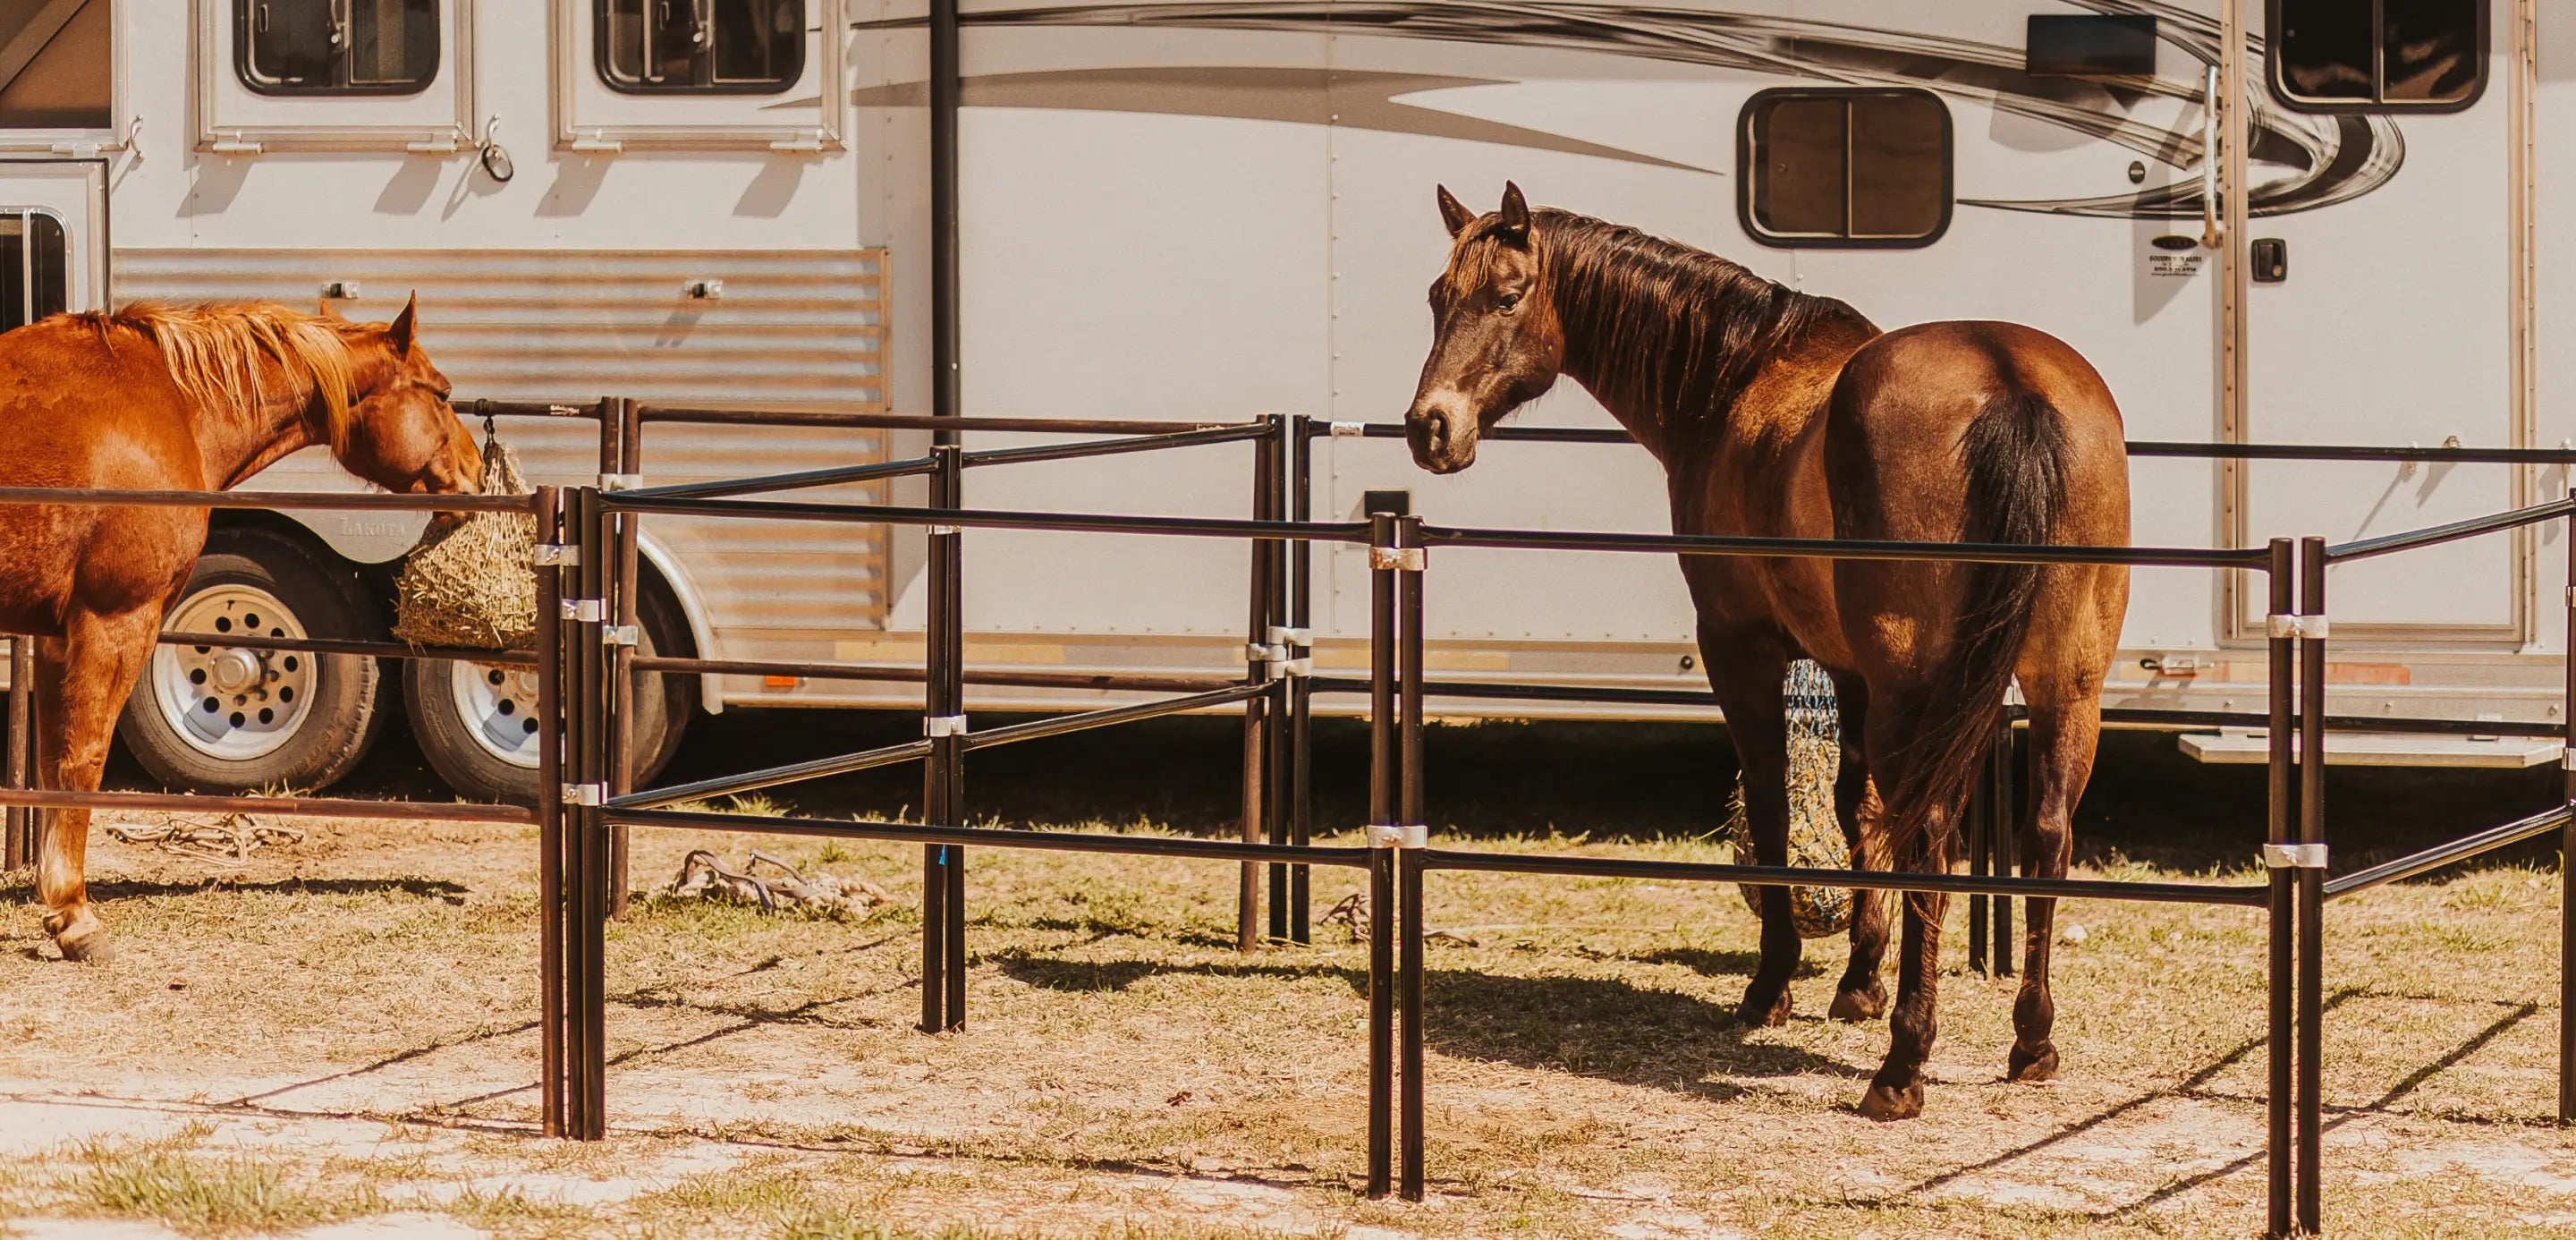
(1001,837)
(2136,447)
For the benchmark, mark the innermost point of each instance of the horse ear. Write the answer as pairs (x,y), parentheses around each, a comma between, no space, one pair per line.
(1454,213)
(399,335)
(1515,212)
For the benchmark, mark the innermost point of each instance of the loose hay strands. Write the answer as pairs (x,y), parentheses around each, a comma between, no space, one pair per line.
(472,584)
(227,839)
(1815,834)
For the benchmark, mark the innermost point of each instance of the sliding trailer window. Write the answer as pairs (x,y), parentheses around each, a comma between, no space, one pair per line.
(2378,55)
(335,47)
(1864,168)
(733,47)
(35,266)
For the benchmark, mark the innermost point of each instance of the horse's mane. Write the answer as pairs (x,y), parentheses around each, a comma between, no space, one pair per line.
(214,351)
(1664,327)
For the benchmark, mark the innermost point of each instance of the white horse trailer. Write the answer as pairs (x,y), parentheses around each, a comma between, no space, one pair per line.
(1204,209)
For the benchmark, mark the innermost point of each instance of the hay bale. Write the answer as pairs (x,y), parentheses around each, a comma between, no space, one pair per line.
(472,584)
(1815,835)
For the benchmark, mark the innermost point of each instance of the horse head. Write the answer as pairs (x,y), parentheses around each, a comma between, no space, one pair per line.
(400,433)
(1496,341)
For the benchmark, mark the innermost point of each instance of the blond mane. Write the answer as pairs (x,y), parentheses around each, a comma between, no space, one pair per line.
(214,351)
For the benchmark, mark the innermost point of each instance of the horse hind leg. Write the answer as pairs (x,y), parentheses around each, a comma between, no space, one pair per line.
(2062,737)
(81,681)
(1860,996)
(1896,1090)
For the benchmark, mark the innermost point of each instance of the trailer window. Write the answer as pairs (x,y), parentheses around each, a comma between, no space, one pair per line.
(35,267)
(2378,55)
(57,69)
(336,47)
(1852,168)
(739,47)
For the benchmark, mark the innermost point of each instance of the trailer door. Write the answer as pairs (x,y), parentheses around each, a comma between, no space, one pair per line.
(2383,305)
(53,238)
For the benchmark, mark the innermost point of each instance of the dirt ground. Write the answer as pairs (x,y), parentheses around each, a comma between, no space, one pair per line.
(336,1038)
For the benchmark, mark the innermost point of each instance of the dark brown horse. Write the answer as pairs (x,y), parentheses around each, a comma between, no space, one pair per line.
(152,397)
(1780,414)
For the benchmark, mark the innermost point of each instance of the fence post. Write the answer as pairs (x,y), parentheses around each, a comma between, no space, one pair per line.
(2280,922)
(2003,841)
(22,827)
(1256,670)
(2312,833)
(546,506)
(943,889)
(621,657)
(1411,840)
(590,872)
(1383,759)
(1980,860)
(1301,692)
(1278,805)
(2566,852)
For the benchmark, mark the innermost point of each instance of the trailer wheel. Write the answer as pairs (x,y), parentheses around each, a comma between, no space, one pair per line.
(476,723)
(220,719)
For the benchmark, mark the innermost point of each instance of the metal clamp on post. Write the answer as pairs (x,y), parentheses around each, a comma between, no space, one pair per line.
(621,482)
(1282,635)
(584,610)
(1281,669)
(620,634)
(2566,759)
(585,794)
(1401,559)
(555,555)
(1254,652)
(1348,430)
(943,725)
(2294,856)
(1413,835)
(2313,628)
(947,529)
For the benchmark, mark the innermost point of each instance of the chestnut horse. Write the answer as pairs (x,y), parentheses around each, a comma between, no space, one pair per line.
(153,397)
(1779,414)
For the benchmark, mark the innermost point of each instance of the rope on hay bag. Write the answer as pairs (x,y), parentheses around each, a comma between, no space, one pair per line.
(1815,835)
(473,584)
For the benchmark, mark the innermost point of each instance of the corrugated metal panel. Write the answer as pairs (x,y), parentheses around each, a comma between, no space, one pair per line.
(796,329)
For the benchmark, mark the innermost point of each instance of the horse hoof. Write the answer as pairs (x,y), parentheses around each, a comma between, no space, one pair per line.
(91,946)
(2026,1066)
(1859,1005)
(1755,1012)
(1884,1104)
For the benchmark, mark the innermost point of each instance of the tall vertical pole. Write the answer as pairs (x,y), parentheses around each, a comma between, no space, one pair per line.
(25,840)
(621,681)
(612,454)
(546,505)
(1980,857)
(946,93)
(1301,617)
(588,929)
(1410,843)
(2312,831)
(1285,640)
(1383,758)
(2002,837)
(1256,711)
(943,893)
(2280,921)
(2567,857)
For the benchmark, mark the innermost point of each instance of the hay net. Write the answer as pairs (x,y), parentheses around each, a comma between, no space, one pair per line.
(1815,834)
(472,583)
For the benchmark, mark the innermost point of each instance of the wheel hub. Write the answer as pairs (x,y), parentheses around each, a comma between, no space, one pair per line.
(498,706)
(227,702)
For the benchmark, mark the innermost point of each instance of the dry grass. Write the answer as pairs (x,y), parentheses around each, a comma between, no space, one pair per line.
(1127,1074)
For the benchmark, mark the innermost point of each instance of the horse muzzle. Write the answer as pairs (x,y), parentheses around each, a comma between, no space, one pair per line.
(1443,439)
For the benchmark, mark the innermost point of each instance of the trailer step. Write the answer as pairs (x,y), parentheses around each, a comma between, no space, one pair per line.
(2252,748)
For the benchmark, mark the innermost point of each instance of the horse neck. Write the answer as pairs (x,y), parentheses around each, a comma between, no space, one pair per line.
(234,447)
(1669,368)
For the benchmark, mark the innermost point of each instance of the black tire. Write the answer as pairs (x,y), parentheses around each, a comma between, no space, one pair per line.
(438,706)
(258,739)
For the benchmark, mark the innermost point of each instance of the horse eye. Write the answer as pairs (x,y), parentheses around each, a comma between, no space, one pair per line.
(1507,301)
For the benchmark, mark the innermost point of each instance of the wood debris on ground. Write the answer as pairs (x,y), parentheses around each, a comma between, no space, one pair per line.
(704,877)
(228,838)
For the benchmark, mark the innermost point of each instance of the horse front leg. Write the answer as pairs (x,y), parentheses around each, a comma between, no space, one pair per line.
(2062,738)
(1745,669)
(1859,995)
(81,682)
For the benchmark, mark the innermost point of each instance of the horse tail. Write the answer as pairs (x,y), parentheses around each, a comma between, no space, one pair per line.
(2016,453)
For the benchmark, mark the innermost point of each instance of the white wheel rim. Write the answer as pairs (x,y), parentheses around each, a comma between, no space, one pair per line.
(231,704)
(498,706)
